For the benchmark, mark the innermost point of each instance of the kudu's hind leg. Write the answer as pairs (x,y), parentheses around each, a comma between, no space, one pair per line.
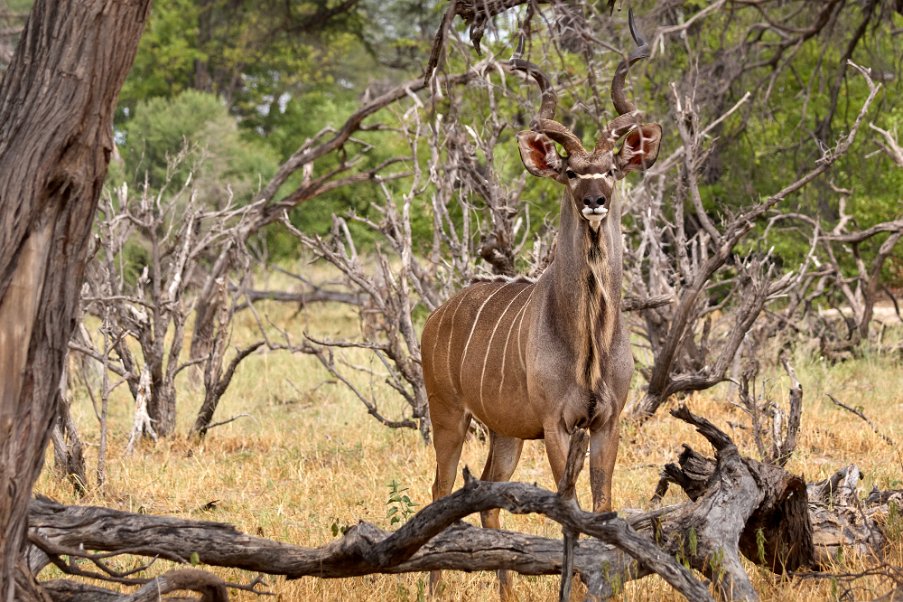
(504,452)
(449,429)
(603,452)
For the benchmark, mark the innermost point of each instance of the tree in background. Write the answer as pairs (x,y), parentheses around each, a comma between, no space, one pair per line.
(252,55)
(196,128)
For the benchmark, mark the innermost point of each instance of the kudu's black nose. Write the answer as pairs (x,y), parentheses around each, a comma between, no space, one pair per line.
(593,202)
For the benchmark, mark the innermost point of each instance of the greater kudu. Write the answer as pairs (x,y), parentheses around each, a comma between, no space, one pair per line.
(536,360)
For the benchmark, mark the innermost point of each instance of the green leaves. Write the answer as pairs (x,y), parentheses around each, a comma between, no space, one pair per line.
(192,133)
(400,506)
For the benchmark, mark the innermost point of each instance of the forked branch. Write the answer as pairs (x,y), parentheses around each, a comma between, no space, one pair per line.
(664,379)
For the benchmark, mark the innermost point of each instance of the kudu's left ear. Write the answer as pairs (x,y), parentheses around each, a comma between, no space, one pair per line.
(640,148)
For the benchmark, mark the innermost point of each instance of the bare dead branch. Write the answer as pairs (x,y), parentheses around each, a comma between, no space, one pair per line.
(860,414)
(732,499)
(227,421)
(863,235)
(705,263)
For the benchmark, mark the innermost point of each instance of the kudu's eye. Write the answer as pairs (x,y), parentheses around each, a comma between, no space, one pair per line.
(570,174)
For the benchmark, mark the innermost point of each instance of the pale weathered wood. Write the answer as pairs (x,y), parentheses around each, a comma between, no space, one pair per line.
(779,514)
(211,588)
(842,523)
(56,109)
(795,525)
(432,539)
(709,528)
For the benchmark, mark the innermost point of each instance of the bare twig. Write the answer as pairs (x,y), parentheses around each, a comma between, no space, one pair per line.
(858,412)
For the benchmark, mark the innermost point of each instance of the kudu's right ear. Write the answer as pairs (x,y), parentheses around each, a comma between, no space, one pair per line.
(539,154)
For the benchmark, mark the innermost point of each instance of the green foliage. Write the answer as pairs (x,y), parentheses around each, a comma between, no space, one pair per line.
(135,255)
(716,563)
(192,133)
(286,71)
(166,55)
(399,506)
(772,139)
(338,528)
(400,33)
(251,54)
(693,541)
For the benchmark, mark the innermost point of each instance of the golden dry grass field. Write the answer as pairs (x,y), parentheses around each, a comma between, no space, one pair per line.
(309,460)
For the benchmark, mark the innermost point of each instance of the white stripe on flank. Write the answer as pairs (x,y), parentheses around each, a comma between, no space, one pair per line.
(476,320)
(520,347)
(451,381)
(508,338)
(443,310)
(489,345)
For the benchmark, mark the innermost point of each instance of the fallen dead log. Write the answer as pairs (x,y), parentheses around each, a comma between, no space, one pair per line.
(432,539)
(795,525)
(727,494)
(844,523)
(737,506)
(211,588)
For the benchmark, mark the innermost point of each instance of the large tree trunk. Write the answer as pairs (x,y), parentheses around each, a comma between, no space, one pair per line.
(56,107)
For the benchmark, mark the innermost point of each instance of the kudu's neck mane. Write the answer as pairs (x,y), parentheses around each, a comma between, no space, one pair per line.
(584,279)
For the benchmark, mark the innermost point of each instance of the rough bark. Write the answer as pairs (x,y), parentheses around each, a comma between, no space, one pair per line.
(667,377)
(795,525)
(56,107)
(68,452)
(778,520)
(211,588)
(270,205)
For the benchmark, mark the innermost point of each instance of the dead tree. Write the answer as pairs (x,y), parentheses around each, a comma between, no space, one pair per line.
(848,282)
(718,294)
(56,109)
(68,451)
(860,290)
(271,204)
(774,429)
(679,334)
(459,186)
(796,525)
(147,304)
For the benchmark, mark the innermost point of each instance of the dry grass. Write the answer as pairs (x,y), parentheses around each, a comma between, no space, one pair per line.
(310,460)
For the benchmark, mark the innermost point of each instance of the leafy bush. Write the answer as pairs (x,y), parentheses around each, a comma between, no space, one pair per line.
(192,133)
